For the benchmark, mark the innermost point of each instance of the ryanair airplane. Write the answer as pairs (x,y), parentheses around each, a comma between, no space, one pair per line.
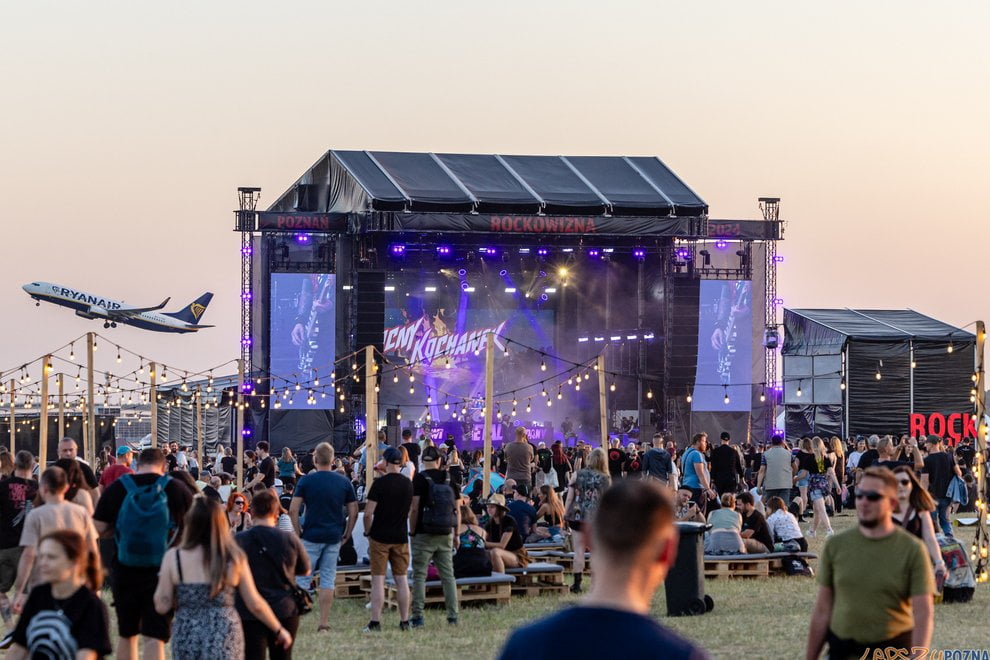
(113,312)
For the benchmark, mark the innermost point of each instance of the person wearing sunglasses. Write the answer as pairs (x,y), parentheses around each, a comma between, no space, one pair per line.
(914,508)
(875,581)
(237,513)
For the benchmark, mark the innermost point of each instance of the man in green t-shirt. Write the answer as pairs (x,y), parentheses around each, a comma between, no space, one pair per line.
(875,581)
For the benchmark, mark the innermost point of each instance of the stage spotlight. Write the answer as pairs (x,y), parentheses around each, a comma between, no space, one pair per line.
(544,297)
(302,239)
(462,272)
(707,257)
(684,254)
(639,254)
(562,272)
(721,245)
(503,273)
(594,254)
(444,251)
(398,250)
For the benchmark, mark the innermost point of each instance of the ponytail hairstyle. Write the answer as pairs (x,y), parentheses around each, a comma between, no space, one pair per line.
(87,561)
(207,528)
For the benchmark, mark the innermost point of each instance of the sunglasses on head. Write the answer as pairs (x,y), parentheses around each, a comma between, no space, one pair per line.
(870,495)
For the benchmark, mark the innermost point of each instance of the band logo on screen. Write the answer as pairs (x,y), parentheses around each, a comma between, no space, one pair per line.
(420,342)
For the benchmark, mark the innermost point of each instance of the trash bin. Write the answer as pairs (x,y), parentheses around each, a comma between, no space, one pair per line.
(685,583)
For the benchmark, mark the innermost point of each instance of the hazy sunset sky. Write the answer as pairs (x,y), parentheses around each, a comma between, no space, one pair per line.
(127,127)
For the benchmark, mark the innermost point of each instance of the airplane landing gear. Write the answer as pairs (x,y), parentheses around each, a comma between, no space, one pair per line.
(106,324)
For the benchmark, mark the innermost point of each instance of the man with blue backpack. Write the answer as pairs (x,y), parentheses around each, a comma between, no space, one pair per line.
(144,512)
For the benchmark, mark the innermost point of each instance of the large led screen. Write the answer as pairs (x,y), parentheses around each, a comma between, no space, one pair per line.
(725,349)
(303,335)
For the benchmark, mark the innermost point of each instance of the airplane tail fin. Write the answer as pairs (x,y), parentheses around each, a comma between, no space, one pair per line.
(193,312)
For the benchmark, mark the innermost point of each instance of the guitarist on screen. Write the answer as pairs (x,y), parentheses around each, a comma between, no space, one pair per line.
(314,304)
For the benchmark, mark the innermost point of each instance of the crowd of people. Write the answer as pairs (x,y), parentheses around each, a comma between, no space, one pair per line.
(224,572)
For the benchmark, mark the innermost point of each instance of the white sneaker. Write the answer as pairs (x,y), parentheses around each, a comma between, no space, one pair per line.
(810,534)
(829,533)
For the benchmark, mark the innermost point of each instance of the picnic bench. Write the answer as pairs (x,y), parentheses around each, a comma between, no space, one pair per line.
(495,588)
(564,559)
(538,578)
(756,566)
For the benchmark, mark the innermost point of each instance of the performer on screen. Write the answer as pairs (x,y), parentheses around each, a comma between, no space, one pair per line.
(734,304)
(314,308)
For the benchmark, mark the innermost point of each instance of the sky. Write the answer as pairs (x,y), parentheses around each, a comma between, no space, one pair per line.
(127,127)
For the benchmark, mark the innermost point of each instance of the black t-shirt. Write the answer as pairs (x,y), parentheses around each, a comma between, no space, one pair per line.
(267,469)
(938,465)
(869,457)
(761,531)
(283,552)
(725,463)
(634,463)
(965,454)
(16,495)
(58,629)
(421,489)
(495,530)
(616,460)
(306,464)
(179,501)
(621,634)
(228,464)
(88,475)
(412,448)
(544,459)
(392,495)
(171,461)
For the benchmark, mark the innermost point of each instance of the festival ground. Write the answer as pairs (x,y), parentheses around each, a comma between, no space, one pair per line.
(766,619)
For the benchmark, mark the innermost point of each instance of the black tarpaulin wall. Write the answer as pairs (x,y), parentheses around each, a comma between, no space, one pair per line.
(878,406)
(823,420)
(936,369)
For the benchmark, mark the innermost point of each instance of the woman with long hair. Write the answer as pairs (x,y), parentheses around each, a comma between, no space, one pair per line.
(784,526)
(66,601)
(821,482)
(288,467)
(197,580)
(471,558)
(78,492)
(837,455)
(560,464)
(238,517)
(914,507)
(583,494)
(551,512)
(408,467)
(505,543)
(801,464)
(455,469)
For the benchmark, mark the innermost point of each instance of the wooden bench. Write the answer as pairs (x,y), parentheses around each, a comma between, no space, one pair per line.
(496,588)
(538,578)
(757,566)
(543,545)
(564,559)
(348,582)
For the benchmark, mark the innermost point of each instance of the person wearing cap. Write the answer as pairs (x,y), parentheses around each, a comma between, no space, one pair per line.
(727,469)
(436,546)
(120,467)
(635,542)
(505,542)
(385,516)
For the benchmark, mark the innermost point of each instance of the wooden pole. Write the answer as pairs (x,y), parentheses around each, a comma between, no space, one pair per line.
(486,470)
(43,412)
(200,457)
(371,418)
(61,406)
(153,398)
(602,403)
(89,453)
(85,426)
(13,416)
(981,542)
(240,424)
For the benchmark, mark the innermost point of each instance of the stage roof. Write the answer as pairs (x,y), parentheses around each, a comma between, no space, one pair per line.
(879,324)
(362,181)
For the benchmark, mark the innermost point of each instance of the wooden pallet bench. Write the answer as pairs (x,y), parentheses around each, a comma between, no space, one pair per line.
(496,588)
(755,566)
(538,578)
(564,559)
(348,582)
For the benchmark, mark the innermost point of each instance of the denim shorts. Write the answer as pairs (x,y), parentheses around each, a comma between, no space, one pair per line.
(803,483)
(323,558)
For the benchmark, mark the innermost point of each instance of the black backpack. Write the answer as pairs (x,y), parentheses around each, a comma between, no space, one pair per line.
(439,512)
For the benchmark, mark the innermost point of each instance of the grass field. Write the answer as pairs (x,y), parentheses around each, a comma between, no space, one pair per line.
(751,619)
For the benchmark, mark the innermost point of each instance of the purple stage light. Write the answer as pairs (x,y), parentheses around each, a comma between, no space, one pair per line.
(543,273)
(398,250)
(246,295)
(721,245)
(503,272)
(639,253)
(779,258)
(544,297)
(594,253)
(465,286)
(443,250)
(684,254)
(247,251)
(462,272)
(542,252)
(302,239)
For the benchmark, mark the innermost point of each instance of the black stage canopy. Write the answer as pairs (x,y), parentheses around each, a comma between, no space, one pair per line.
(365,181)
(868,371)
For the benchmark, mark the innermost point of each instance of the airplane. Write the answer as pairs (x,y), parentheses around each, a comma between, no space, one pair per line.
(113,312)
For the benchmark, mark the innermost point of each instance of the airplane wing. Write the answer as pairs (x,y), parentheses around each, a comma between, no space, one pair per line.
(127,312)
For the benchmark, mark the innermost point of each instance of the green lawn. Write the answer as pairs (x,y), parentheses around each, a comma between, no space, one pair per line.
(752,619)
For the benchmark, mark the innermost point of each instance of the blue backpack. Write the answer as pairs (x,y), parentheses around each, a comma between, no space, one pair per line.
(144,524)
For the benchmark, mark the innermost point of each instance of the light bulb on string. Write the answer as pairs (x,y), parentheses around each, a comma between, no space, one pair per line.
(549,402)
(763,394)
(577,386)
(798,392)
(514,402)
(412,378)
(878,375)
(649,394)
(725,399)
(395,378)
(611,387)
(464,411)
(560,395)
(689,398)
(72,352)
(118,355)
(513,411)
(447,363)
(446,405)
(842,384)
(543,365)
(412,390)
(570,381)
(543,392)
(529,406)
(587,376)
(298,387)
(949,349)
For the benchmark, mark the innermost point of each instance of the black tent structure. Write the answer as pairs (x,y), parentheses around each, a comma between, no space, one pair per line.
(859,372)
(597,254)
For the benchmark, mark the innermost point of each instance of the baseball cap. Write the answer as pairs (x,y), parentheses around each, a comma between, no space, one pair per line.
(124,450)
(392,455)
(431,454)
(724,435)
